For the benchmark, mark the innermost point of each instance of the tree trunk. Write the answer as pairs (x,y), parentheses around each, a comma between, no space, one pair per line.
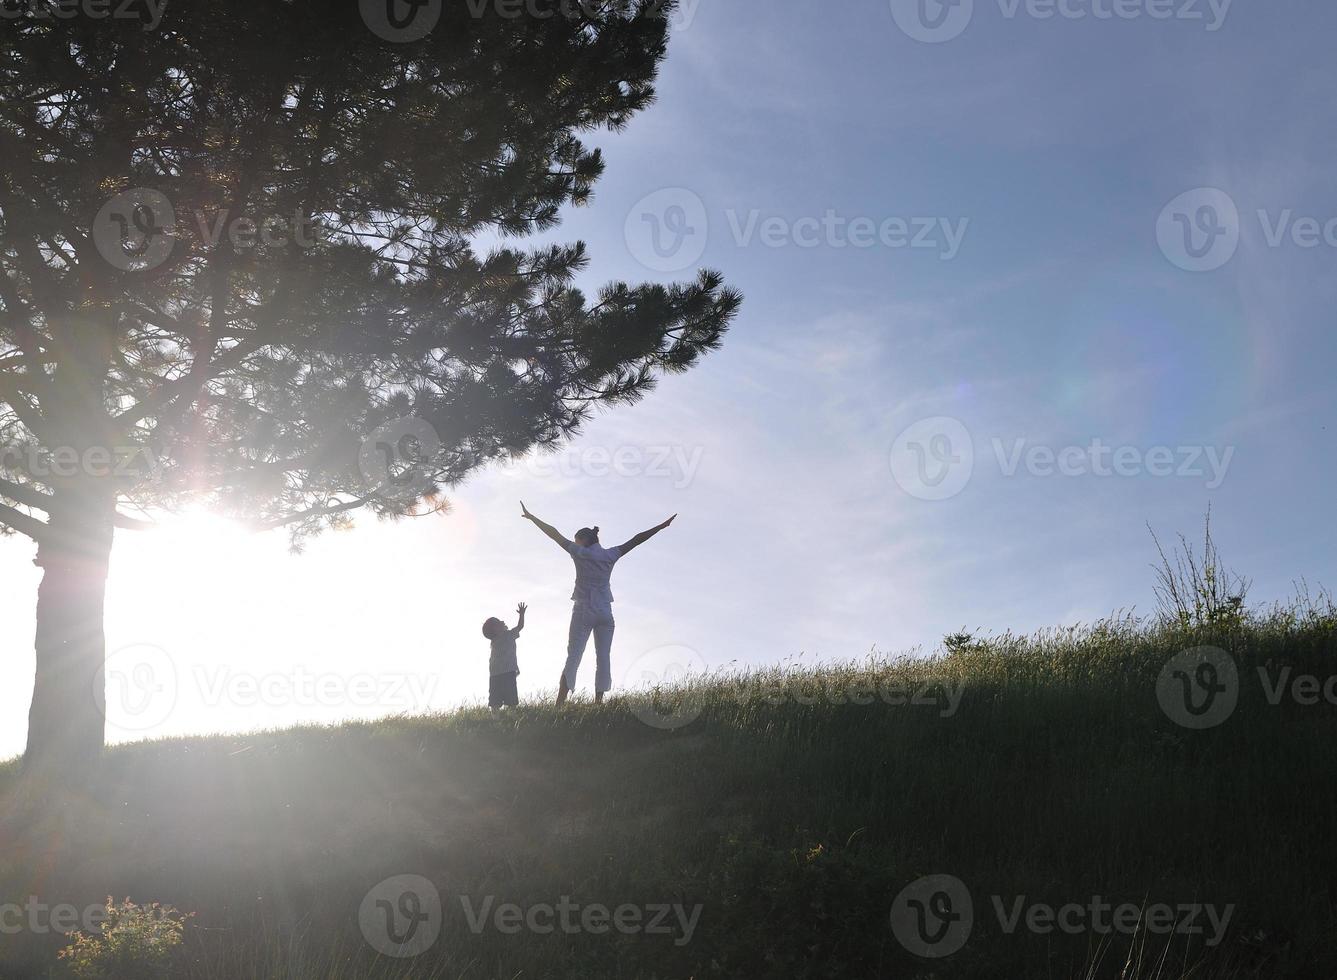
(67,723)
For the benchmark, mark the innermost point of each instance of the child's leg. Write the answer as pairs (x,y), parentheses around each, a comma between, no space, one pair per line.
(510,695)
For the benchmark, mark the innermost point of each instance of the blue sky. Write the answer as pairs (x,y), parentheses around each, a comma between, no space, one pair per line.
(1050,147)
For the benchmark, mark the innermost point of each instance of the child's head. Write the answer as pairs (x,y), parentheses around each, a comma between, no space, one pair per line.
(493,627)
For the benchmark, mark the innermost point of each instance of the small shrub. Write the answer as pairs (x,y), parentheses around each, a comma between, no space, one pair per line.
(1197,591)
(958,642)
(136,942)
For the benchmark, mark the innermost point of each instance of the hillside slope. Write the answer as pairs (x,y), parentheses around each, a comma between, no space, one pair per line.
(762,826)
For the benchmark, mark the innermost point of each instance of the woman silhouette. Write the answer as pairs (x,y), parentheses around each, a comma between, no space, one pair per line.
(592,609)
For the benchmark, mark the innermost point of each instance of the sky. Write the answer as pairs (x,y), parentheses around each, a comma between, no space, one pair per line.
(1021,279)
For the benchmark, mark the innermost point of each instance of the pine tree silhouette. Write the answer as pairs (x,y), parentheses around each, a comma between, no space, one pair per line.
(243,264)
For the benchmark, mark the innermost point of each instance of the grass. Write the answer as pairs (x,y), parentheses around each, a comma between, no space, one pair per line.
(792,817)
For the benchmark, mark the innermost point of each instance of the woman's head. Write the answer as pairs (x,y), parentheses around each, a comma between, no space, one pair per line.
(587,537)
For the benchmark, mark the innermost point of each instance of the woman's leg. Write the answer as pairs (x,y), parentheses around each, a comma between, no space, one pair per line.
(577,638)
(603,651)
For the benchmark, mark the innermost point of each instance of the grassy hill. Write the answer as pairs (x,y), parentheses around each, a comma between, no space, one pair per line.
(778,823)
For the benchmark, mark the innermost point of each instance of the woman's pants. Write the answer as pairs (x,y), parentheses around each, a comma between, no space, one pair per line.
(585,620)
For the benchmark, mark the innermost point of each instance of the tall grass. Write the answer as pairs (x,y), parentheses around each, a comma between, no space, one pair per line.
(1040,766)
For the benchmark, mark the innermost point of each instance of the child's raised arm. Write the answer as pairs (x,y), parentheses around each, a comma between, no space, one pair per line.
(521,623)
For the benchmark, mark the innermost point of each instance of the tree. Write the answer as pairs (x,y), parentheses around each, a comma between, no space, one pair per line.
(244,263)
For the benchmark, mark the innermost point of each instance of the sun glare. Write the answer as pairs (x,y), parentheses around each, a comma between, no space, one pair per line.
(179,595)
(212,627)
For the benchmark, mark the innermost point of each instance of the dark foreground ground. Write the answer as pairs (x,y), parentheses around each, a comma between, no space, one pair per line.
(782,832)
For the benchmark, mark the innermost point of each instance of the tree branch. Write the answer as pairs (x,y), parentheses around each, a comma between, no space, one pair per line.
(315,512)
(23,523)
(27,496)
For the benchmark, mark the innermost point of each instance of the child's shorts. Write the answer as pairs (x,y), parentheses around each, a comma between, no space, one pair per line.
(501,690)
